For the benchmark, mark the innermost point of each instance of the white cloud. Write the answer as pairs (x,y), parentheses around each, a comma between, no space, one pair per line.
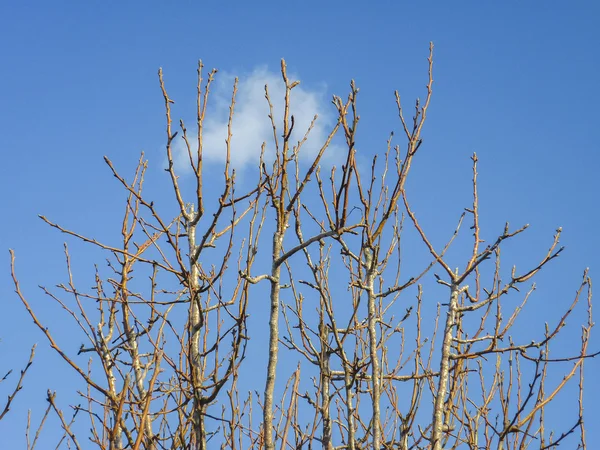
(251,124)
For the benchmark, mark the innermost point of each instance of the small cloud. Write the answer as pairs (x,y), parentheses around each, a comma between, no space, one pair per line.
(251,125)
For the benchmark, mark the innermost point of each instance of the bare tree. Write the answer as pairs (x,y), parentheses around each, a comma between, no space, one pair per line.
(166,324)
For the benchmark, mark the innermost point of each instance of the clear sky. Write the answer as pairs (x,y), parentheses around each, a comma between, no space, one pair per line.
(515,82)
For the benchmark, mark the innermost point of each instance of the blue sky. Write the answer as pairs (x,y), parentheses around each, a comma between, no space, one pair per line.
(514,82)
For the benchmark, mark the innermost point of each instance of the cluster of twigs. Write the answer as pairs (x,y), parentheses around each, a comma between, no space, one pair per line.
(166,353)
(14,391)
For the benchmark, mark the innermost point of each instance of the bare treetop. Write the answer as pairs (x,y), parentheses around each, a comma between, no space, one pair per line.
(365,346)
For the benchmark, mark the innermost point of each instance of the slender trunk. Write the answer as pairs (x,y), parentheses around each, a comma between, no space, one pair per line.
(195,324)
(115,438)
(325,381)
(201,430)
(133,349)
(438,407)
(348,381)
(116,441)
(375,366)
(273,343)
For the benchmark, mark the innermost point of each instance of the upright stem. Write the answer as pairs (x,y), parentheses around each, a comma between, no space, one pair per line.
(273,342)
(325,384)
(348,382)
(438,407)
(195,324)
(134,350)
(371,263)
